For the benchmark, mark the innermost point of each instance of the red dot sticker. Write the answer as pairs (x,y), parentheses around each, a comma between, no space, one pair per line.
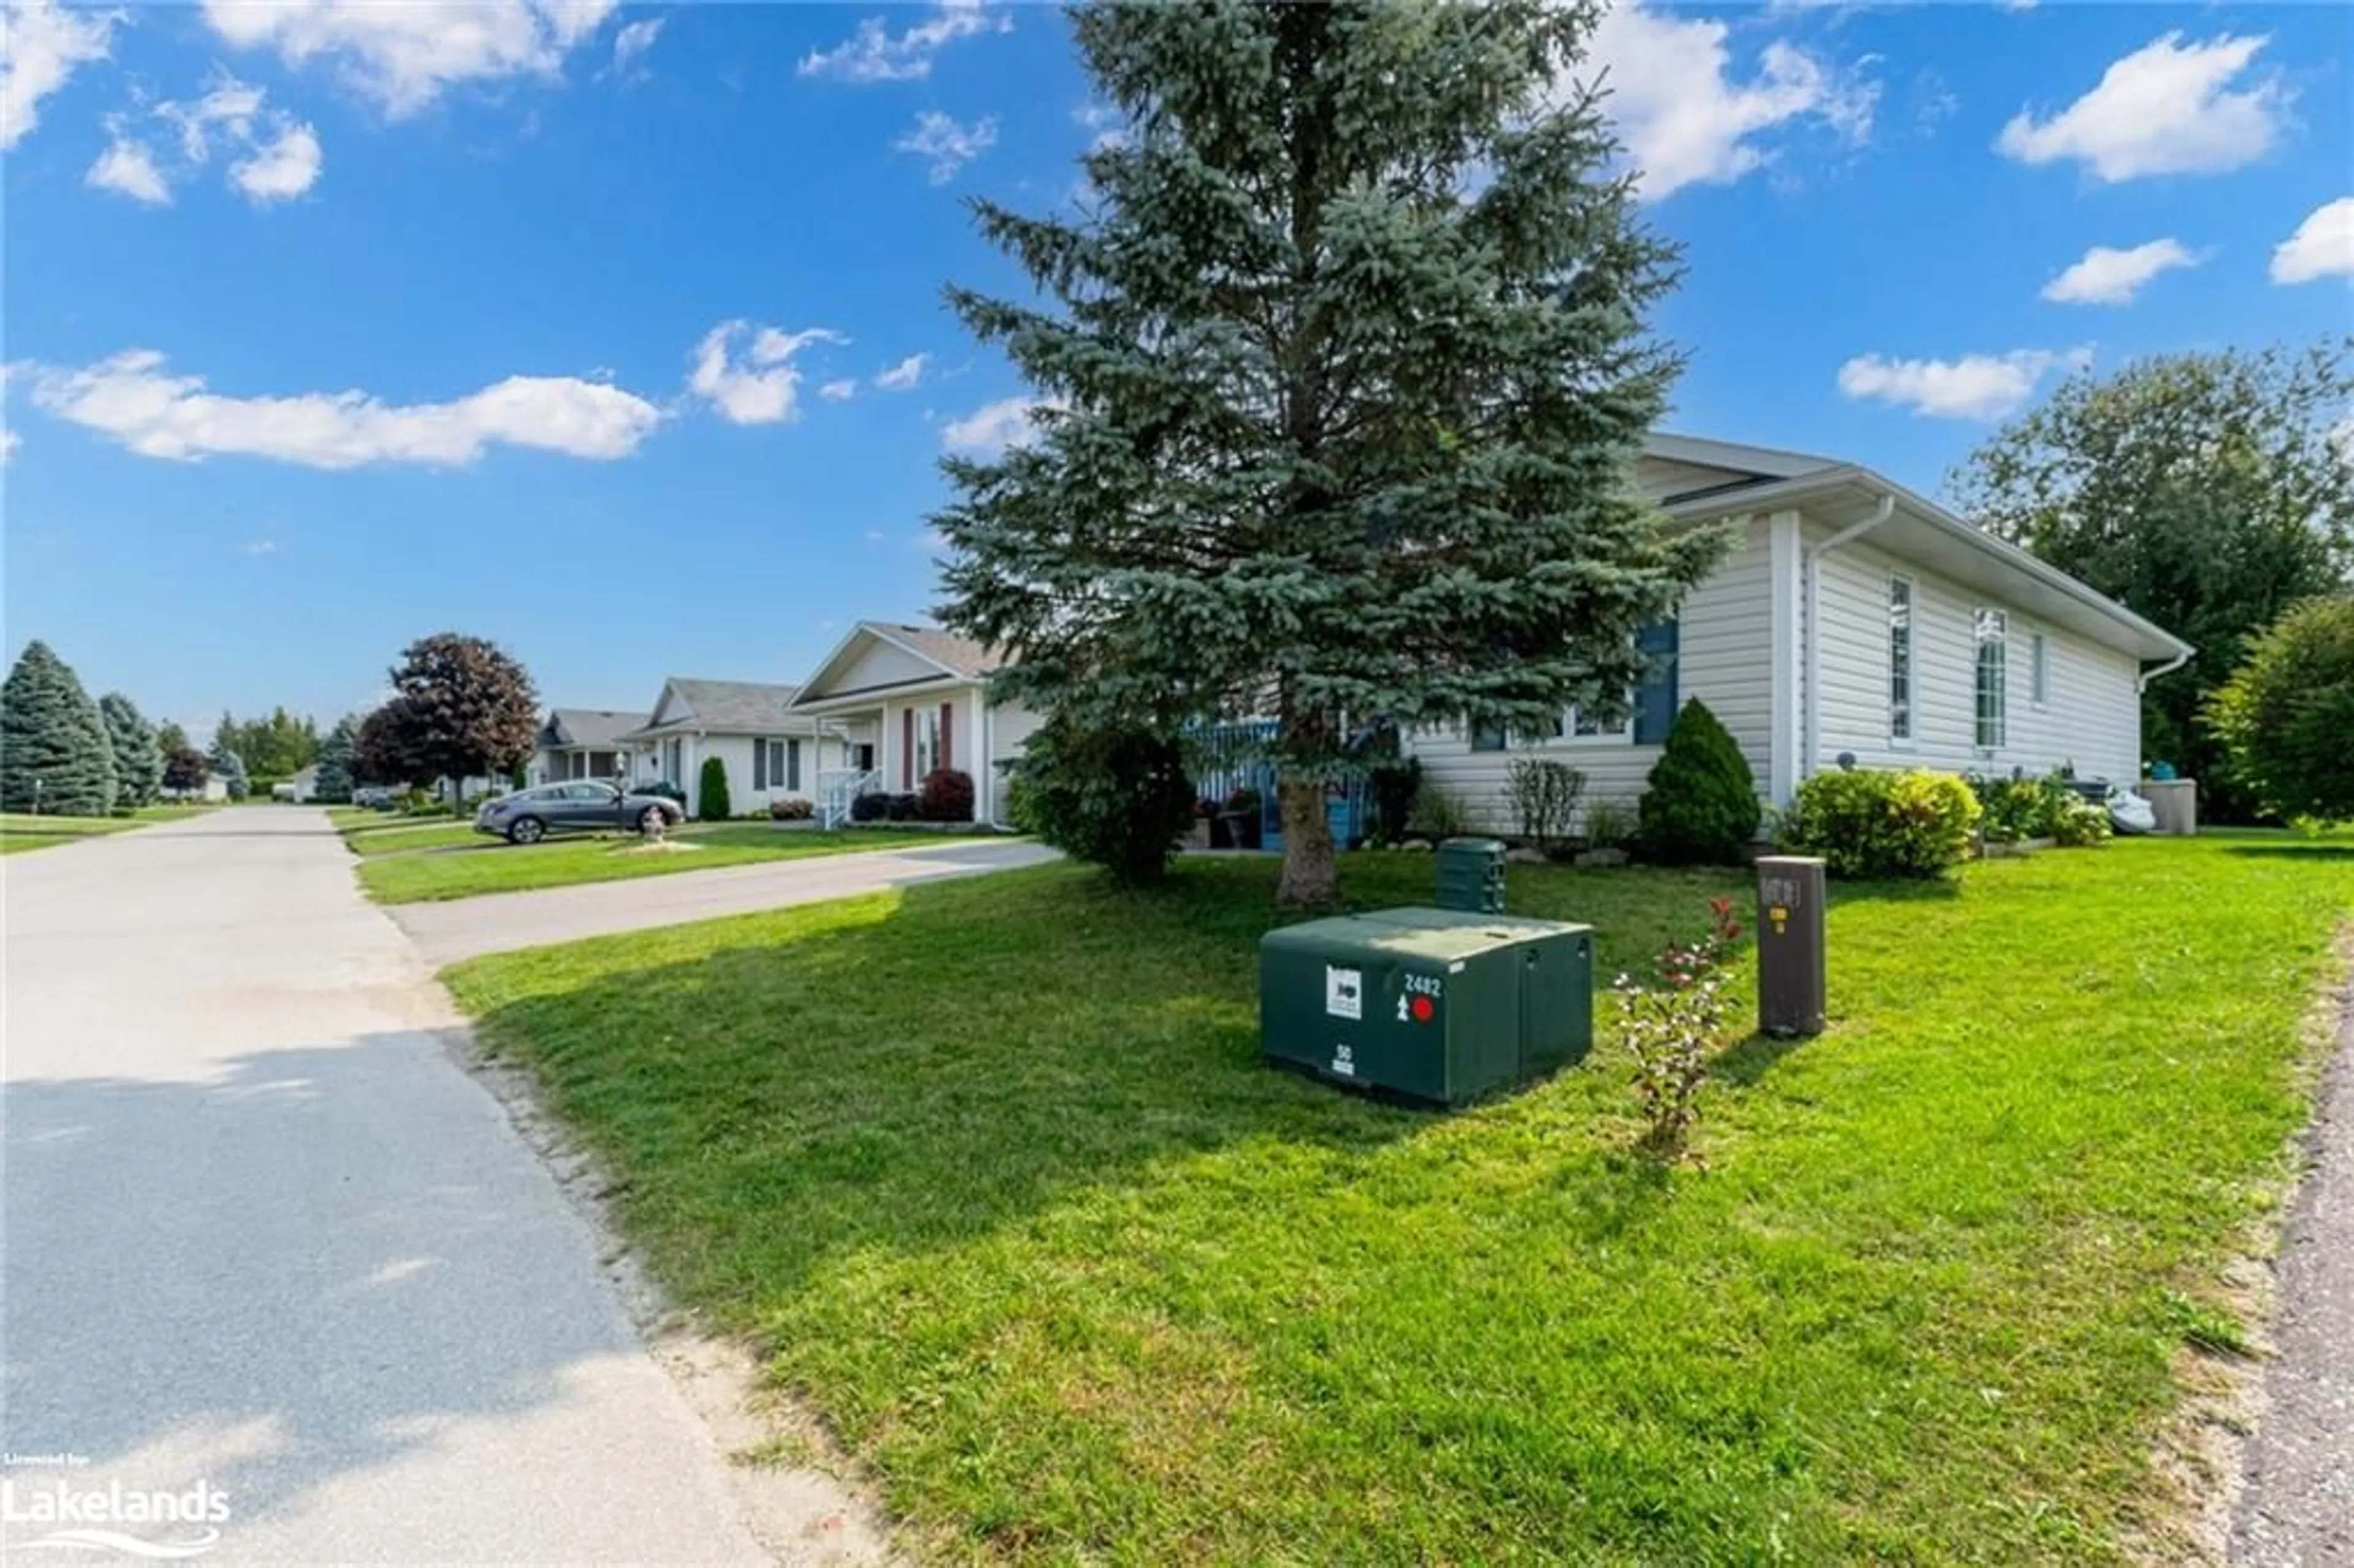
(1422,1008)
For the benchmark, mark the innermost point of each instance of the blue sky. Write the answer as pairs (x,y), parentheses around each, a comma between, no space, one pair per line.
(331,323)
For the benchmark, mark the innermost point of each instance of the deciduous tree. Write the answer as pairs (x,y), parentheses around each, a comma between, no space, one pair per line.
(185,771)
(1339,382)
(54,756)
(464,706)
(2286,715)
(2208,491)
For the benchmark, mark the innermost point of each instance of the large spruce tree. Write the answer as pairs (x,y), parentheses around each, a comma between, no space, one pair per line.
(1339,379)
(131,743)
(54,756)
(334,783)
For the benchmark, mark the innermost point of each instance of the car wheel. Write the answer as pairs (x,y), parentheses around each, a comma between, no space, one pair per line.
(526,830)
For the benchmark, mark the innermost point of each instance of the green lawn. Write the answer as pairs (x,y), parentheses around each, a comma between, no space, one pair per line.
(493,866)
(992,1169)
(20,831)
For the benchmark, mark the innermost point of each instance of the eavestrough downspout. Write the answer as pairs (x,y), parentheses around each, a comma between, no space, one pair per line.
(2167,668)
(1809,697)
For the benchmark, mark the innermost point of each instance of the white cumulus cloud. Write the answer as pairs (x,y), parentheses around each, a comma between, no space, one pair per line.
(403,54)
(134,399)
(874,53)
(994,426)
(948,144)
(1975,387)
(9,441)
(905,375)
(1685,115)
(2322,247)
(41,44)
(761,386)
(128,168)
(2169,108)
(838,391)
(2107,276)
(276,157)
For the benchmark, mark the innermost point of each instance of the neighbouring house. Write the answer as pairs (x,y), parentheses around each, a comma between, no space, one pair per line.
(770,752)
(1852,619)
(901,701)
(583,743)
(300,787)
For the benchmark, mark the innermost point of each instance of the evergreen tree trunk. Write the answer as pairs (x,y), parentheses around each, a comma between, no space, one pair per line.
(1311,876)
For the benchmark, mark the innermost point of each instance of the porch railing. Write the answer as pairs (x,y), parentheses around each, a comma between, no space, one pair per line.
(838,790)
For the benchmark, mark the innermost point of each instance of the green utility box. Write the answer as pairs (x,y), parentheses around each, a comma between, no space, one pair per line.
(1471,875)
(1433,1004)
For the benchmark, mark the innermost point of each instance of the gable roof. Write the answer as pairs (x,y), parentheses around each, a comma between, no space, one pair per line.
(591,727)
(951,656)
(733,708)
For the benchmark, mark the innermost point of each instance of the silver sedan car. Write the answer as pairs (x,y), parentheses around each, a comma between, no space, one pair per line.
(583,806)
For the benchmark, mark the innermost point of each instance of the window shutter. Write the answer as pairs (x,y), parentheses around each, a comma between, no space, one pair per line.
(948,717)
(907,748)
(793,765)
(759,765)
(1655,699)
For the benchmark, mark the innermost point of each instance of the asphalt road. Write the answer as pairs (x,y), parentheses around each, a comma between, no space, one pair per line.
(259,1232)
(2297,1509)
(500,922)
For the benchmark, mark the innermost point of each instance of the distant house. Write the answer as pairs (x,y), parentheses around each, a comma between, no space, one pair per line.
(583,743)
(905,700)
(299,786)
(1851,620)
(769,751)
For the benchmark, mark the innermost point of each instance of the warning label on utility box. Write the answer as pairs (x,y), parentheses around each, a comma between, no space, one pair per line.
(1344,992)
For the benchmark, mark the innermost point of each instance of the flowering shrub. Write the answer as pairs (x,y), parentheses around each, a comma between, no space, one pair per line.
(791,809)
(1669,1026)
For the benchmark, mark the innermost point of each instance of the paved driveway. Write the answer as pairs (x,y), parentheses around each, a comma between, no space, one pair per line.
(259,1232)
(499,922)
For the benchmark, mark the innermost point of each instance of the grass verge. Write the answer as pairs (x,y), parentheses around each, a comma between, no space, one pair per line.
(992,1171)
(449,869)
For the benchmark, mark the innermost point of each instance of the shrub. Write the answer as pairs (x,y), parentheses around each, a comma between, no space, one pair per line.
(947,796)
(1021,809)
(1116,797)
(2015,809)
(2082,825)
(711,793)
(1393,786)
(791,809)
(2284,715)
(1437,814)
(1699,805)
(663,787)
(906,807)
(1880,824)
(871,807)
(1609,824)
(1671,1023)
(1544,798)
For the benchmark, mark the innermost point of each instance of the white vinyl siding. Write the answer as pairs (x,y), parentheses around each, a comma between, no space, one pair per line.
(1724,655)
(2092,718)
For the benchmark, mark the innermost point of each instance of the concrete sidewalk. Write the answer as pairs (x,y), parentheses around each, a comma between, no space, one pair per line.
(260,1232)
(2297,1509)
(502,922)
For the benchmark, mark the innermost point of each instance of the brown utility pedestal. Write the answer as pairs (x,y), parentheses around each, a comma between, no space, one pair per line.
(1791,989)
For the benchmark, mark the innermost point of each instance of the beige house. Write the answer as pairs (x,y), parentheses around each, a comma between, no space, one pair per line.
(1852,620)
(582,743)
(900,700)
(769,752)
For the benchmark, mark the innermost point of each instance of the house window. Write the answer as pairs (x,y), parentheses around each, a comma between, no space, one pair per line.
(1487,735)
(1990,629)
(2038,668)
(927,741)
(1578,725)
(1900,658)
